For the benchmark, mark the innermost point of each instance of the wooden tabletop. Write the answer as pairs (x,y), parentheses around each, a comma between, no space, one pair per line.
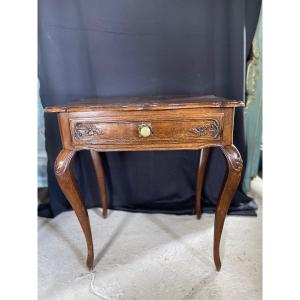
(145,102)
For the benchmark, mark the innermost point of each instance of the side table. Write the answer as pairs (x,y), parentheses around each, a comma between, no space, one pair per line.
(147,124)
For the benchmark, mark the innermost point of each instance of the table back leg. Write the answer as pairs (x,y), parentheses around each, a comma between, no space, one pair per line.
(200,174)
(68,184)
(230,184)
(98,166)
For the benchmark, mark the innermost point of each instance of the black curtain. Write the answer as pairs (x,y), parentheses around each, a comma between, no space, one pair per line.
(90,48)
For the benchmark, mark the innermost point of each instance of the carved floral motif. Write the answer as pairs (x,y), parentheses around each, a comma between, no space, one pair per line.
(237,164)
(62,161)
(233,157)
(211,128)
(86,130)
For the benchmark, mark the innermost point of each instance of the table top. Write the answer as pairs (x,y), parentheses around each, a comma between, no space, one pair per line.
(145,102)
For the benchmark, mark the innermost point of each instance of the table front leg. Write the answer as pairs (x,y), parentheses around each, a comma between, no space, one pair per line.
(230,184)
(68,184)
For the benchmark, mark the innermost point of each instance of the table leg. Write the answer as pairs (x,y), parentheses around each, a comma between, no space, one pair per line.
(68,184)
(97,162)
(230,184)
(202,163)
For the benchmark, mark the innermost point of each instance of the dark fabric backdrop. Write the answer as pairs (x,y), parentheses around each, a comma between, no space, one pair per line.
(91,48)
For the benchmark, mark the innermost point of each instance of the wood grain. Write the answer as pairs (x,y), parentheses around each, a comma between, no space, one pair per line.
(231,182)
(145,102)
(98,166)
(201,170)
(173,122)
(68,185)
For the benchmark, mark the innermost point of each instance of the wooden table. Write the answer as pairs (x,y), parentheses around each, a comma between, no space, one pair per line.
(147,124)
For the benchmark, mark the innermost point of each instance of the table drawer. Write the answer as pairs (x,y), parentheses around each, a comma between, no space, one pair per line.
(138,131)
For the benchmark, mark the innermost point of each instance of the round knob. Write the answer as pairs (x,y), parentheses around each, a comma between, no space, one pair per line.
(144,130)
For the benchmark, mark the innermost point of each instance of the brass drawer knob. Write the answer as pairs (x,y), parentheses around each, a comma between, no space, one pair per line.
(144,130)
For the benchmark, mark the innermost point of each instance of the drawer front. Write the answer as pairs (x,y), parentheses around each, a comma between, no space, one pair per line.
(93,131)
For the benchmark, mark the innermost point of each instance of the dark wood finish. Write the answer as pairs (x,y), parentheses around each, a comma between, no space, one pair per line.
(231,182)
(202,163)
(118,130)
(97,162)
(143,124)
(67,183)
(145,102)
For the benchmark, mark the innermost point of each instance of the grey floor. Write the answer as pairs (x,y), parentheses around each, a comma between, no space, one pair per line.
(151,256)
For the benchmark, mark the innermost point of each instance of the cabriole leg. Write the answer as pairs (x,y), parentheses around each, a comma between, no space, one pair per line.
(230,184)
(68,184)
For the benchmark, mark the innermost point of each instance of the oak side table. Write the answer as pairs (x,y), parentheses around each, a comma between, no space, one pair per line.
(147,124)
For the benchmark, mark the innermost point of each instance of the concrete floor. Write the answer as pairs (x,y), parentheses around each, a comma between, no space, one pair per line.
(150,256)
